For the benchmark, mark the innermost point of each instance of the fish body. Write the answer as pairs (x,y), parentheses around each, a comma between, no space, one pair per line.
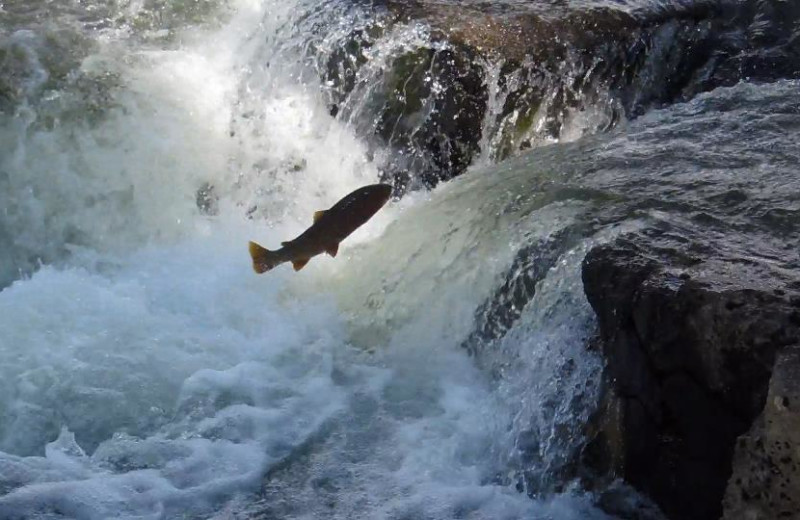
(330,227)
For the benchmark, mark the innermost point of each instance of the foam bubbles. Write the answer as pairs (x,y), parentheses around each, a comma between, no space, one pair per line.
(190,383)
(174,379)
(147,372)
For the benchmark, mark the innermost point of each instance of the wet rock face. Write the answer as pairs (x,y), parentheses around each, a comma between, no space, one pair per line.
(502,310)
(691,326)
(444,90)
(766,468)
(696,295)
(424,104)
(696,304)
(491,80)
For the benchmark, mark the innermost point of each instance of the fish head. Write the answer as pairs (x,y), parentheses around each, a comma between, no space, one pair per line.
(367,200)
(382,193)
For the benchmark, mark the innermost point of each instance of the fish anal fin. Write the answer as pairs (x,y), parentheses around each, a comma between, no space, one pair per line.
(318,214)
(299,264)
(332,250)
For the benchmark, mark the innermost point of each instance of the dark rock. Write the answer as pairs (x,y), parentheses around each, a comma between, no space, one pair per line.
(507,77)
(426,106)
(690,358)
(692,311)
(767,460)
(622,501)
(695,291)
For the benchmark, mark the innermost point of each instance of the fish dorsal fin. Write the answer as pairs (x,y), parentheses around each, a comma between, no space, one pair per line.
(299,264)
(284,244)
(332,250)
(318,214)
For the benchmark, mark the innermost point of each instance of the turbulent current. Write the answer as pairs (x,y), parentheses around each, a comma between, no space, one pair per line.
(147,372)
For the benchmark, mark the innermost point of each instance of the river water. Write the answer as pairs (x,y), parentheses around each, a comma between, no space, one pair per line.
(147,372)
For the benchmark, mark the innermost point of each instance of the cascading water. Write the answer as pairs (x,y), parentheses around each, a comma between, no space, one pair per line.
(147,372)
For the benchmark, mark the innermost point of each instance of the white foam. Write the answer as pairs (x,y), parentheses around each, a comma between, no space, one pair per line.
(212,375)
(186,377)
(151,374)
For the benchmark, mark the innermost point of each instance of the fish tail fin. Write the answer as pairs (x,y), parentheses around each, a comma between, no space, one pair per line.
(263,258)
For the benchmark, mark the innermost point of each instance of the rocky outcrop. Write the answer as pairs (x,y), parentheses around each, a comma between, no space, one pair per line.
(766,468)
(695,282)
(691,324)
(697,303)
(490,81)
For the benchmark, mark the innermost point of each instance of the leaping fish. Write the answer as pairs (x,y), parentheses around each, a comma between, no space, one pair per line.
(330,227)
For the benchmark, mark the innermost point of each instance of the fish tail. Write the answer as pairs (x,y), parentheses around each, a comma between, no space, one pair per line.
(263,258)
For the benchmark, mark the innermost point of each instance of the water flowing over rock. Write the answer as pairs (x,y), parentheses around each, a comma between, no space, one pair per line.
(693,312)
(626,296)
(694,299)
(487,82)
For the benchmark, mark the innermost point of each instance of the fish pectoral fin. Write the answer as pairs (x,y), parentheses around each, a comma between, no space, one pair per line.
(299,264)
(332,250)
(318,214)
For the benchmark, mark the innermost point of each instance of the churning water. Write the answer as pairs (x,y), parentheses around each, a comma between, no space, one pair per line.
(147,372)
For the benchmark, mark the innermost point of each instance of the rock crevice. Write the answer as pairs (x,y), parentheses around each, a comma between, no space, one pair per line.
(690,343)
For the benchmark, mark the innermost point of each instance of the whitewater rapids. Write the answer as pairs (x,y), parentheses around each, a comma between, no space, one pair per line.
(147,372)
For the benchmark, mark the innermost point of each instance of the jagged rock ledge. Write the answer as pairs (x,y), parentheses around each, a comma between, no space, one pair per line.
(492,80)
(697,329)
(697,300)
